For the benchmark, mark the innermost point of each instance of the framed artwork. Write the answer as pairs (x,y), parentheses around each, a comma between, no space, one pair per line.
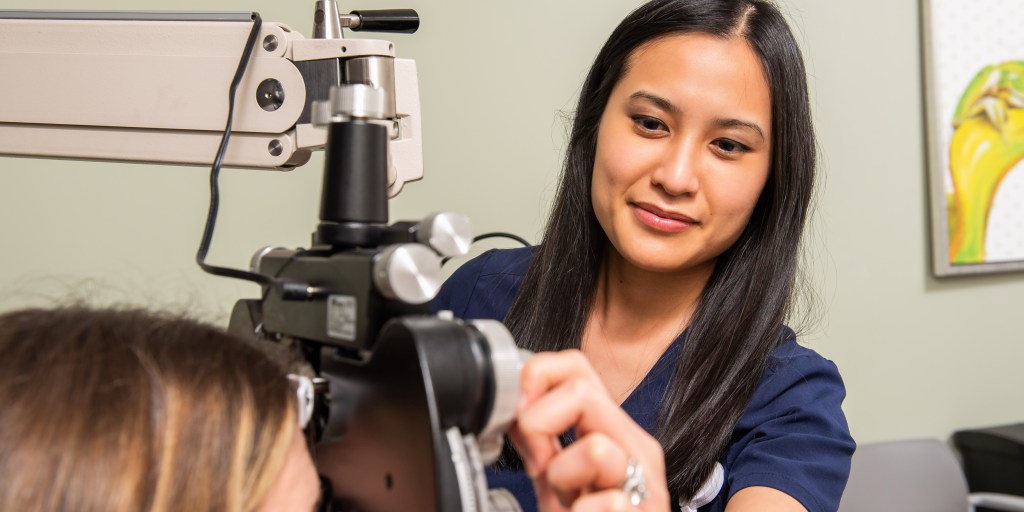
(974,77)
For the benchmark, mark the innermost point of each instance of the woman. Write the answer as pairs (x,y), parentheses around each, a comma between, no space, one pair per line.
(669,262)
(109,410)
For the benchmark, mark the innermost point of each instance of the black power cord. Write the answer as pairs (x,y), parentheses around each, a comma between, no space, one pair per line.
(499,234)
(496,234)
(211,218)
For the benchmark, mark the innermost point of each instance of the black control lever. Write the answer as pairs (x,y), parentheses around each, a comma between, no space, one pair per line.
(402,21)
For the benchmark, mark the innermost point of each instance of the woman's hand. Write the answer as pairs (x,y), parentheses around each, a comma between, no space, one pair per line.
(562,391)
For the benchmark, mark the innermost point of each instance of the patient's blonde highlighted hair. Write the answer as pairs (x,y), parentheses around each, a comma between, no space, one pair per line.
(104,410)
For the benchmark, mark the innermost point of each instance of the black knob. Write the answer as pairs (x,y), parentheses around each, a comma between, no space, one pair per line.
(403,21)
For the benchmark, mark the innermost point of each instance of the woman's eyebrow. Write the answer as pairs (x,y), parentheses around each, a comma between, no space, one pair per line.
(737,123)
(658,101)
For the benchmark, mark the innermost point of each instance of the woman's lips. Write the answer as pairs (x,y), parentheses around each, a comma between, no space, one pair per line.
(661,220)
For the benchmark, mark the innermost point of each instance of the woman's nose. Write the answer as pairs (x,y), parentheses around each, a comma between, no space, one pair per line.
(677,171)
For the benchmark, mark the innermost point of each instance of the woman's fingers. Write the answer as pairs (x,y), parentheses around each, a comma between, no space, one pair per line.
(553,382)
(544,371)
(572,398)
(593,462)
(561,391)
(612,500)
(575,403)
(528,445)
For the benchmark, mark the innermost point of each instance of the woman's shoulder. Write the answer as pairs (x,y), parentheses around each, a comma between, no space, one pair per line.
(796,374)
(495,262)
(793,435)
(792,357)
(503,261)
(485,286)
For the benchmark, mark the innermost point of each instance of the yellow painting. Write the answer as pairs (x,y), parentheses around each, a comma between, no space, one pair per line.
(974,63)
(988,142)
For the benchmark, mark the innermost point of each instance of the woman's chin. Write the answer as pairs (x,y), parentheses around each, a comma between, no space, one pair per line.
(662,260)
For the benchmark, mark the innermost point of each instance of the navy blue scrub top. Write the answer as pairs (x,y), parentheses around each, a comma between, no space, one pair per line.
(792,437)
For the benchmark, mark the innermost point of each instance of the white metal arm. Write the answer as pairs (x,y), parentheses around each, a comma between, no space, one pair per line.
(153,87)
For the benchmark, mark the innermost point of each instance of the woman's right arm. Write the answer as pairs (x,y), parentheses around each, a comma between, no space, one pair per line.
(763,499)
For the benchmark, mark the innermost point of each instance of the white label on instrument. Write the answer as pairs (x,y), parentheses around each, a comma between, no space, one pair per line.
(341,317)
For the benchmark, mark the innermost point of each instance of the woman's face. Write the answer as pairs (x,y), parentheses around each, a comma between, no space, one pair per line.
(683,151)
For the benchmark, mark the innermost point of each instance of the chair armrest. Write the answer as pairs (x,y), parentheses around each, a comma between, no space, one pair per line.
(1007,502)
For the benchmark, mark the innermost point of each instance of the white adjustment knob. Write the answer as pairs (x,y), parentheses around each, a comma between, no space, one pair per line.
(358,100)
(410,273)
(450,234)
(506,362)
(350,101)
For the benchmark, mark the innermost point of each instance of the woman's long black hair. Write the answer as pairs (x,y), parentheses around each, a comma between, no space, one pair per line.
(739,316)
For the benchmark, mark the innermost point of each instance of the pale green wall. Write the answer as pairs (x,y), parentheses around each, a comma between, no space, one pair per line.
(921,357)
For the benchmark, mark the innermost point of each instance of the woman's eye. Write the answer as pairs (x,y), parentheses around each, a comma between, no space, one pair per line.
(649,124)
(730,147)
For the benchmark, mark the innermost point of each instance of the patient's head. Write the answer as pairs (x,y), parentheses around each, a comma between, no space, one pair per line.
(104,410)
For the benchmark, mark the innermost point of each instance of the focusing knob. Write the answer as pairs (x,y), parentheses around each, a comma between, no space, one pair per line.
(506,362)
(410,273)
(450,234)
